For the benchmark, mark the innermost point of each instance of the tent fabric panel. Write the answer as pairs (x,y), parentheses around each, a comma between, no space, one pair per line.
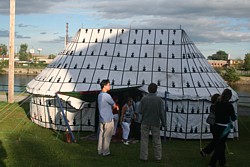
(103,63)
(123,36)
(55,87)
(81,49)
(202,92)
(110,35)
(99,75)
(160,65)
(129,78)
(45,86)
(50,75)
(160,51)
(107,49)
(93,49)
(133,51)
(117,63)
(85,36)
(67,87)
(148,37)
(76,62)
(174,81)
(176,36)
(145,64)
(144,77)
(187,80)
(147,51)
(90,62)
(131,64)
(120,50)
(116,77)
(135,35)
(85,76)
(174,65)
(174,52)
(66,63)
(81,87)
(72,76)
(97,34)
(161,37)
(159,78)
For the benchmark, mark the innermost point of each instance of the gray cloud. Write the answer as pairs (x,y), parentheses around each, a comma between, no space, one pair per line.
(60,39)
(4,33)
(21,36)
(24,26)
(29,6)
(204,20)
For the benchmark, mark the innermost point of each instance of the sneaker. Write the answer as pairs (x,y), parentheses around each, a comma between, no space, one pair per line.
(158,161)
(126,143)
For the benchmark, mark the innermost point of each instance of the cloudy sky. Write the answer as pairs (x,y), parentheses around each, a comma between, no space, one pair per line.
(211,24)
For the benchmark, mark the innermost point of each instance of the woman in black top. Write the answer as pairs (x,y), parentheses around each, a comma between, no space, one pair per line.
(224,115)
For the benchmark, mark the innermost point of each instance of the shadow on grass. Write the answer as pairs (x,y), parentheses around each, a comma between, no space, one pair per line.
(25,104)
(2,155)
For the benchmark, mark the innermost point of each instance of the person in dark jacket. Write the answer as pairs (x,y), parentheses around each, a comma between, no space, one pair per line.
(224,115)
(153,116)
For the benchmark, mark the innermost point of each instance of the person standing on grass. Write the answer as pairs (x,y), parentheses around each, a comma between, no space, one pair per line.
(106,123)
(224,115)
(126,118)
(153,116)
(210,147)
(137,120)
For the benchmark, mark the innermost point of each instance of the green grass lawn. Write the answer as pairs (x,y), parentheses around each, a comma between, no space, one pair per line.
(25,144)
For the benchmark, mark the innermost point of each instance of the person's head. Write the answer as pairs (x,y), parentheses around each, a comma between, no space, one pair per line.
(105,85)
(214,98)
(129,101)
(226,95)
(152,88)
(138,97)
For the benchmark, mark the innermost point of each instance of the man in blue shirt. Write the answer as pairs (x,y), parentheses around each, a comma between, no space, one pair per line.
(106,124)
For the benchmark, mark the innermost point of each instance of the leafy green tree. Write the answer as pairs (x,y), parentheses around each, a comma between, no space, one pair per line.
(247,62)
(219,55)
(23,55)
(231,75)
(3,49)
(51,56)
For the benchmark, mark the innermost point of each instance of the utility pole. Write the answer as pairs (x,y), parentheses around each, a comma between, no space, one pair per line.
(11,52)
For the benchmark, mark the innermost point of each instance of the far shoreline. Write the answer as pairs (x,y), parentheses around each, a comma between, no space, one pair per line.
(35,71)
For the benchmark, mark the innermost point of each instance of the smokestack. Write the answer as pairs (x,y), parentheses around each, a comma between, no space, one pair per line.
(67,35)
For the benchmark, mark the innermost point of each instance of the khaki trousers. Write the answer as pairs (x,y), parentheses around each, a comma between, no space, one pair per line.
(145,129)
(105,135)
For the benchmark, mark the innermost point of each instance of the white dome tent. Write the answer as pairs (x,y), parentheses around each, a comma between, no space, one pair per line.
(131,59)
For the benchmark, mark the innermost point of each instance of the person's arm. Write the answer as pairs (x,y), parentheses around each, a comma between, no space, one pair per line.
(124,108)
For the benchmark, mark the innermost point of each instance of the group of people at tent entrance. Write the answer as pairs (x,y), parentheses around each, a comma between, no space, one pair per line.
(136,118)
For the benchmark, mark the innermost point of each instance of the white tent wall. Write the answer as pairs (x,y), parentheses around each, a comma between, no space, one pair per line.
(130,58)
(45,111)
(186,119)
